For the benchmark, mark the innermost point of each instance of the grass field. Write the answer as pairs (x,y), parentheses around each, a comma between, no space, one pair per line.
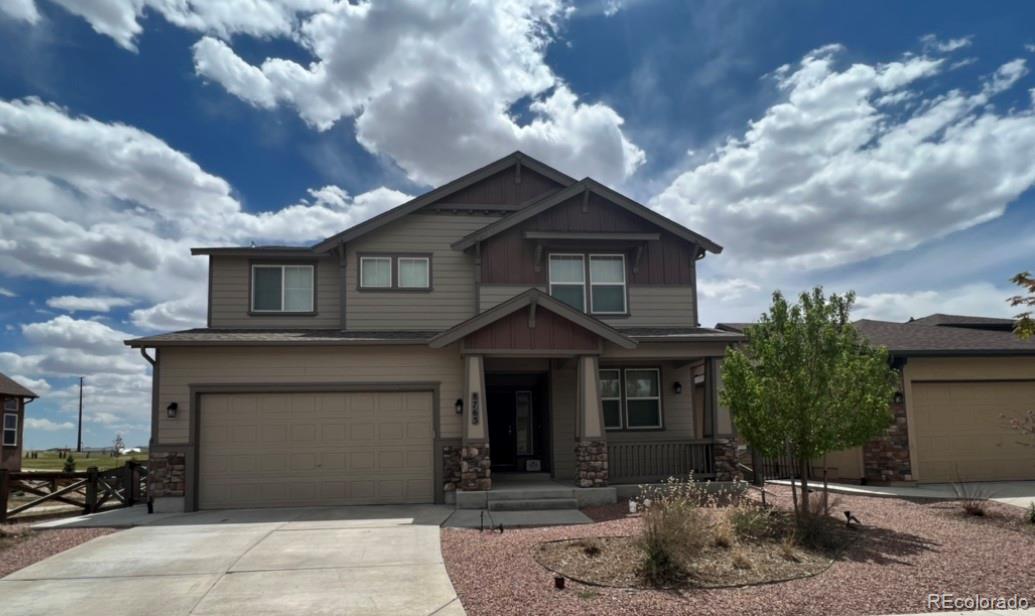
(50,461)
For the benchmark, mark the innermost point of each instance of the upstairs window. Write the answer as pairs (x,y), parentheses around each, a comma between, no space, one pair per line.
(375,272)
(395,272)
(283,288)
(568,280)
(607,284)
(10,430)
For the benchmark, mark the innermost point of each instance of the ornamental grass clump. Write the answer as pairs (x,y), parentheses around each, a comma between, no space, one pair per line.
(676,528)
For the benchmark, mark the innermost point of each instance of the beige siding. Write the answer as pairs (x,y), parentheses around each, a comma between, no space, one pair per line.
(661,306)
(658,306)
(230,301)
(562,406)
(182,367)
(452,297)
(492,295)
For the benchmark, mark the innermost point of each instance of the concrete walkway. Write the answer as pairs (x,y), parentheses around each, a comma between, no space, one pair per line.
(1018,493)
(342,560)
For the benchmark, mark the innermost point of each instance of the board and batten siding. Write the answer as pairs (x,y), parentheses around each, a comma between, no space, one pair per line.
(182,367)
(452,295)
(230,301)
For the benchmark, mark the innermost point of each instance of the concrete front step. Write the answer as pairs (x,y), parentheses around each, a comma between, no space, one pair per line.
(530,493)
(532,504)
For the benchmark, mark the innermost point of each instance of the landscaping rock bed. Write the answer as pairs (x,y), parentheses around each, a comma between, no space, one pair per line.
(905,552)
(20,546)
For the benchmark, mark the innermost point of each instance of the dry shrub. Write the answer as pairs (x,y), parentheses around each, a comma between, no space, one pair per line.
(1031,513)
(752,521)
(823,502)
(675,528)
(973,499)
(723,535)
(789,549)
(741,561)
(589,547)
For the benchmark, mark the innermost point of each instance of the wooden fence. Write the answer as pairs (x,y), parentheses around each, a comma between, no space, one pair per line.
(651,461)
(88,490)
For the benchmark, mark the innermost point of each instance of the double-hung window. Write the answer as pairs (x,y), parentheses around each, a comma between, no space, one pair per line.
(10,429)
(282,288)
(631,398)
(375,272)
(568,279)
(414,272)
(607,284)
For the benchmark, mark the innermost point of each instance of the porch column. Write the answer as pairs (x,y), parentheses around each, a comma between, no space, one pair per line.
(590,438)
(475,464)
(724,443)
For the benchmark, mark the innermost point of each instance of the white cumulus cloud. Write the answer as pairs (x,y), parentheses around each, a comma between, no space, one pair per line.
(72,303)
(47,425)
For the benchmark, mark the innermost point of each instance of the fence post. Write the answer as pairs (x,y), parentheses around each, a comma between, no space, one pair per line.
(5,488)
(91,490)
(127,483)
(756,465)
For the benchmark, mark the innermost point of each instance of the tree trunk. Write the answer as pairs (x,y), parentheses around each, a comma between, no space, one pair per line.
(803,469)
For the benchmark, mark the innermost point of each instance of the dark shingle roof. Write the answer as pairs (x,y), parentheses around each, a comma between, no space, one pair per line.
(937,334)
(679,334)
(244,337)
(9,387)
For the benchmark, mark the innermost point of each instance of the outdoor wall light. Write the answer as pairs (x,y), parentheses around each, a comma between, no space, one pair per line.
(898,397)
(459,406)
(172,409)
(677,387)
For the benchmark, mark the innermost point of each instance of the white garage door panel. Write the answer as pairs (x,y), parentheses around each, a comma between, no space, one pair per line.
(303,449)
(960,429)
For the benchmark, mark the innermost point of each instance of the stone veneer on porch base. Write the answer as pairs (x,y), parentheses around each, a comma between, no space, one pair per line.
(591,464)
(886,458)
(166,474)
(475,467)
(726,460)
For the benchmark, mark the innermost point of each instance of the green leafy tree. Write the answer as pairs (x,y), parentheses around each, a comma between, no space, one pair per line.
(1025,327)
(806,383)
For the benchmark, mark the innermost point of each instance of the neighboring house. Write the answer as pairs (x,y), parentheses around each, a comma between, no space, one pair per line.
(960,376)
(513,320)
(13,398)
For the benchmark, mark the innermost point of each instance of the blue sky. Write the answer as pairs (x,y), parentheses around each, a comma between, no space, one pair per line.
(880,147)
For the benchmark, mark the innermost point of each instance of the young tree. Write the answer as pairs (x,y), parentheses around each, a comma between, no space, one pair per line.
(806,383)
(1025,327)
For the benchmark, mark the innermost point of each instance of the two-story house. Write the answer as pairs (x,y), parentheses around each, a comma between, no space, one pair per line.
(514,320)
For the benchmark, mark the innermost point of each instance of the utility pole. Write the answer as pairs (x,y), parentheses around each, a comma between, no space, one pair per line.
(79,439)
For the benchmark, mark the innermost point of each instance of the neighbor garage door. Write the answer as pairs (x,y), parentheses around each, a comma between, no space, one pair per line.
(959,426)
(301,449)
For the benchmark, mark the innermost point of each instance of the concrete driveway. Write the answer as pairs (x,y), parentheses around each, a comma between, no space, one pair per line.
(348,560)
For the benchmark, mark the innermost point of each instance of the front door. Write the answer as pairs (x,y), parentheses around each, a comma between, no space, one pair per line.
(517,422)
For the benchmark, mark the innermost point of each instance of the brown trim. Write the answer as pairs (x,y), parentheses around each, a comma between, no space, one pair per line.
(584,186)
(155,343)
(342,286)
(441,192)
(196,390)
(209,315)
(555,353)
(519,301)
(393,258)
(591,236)
(315,263)
(272,252)
(693,286)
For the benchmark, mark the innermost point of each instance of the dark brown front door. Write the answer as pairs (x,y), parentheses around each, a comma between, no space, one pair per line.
(517,422)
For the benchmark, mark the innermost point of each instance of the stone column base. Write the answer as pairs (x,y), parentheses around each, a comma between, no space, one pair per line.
(166,473)
(591,464)
(475,467)
(726,468)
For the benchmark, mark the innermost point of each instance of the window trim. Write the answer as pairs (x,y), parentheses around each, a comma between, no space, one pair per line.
(621,402)
(253,265)
(11,405)
(625,398)
(393,259)
(585,276)
(624,283)
(14,430)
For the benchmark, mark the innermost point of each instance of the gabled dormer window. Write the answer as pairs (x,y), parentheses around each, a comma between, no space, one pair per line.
(593,283)
(283,289)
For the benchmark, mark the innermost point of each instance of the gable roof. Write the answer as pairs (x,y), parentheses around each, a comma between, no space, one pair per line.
(957,320)
(927,337)
(531,296)
(591,185)
(443,191)
(9,387)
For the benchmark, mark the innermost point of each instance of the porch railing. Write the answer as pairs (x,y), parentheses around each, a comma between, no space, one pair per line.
(651,461)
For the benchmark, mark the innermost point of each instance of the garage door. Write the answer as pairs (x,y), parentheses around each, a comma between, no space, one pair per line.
(959,426)
(304,449)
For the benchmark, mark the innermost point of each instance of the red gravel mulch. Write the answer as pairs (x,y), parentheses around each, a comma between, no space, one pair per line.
(20,547)
(906,551)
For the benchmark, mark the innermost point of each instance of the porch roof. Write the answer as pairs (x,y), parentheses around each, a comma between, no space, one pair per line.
(530,299)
